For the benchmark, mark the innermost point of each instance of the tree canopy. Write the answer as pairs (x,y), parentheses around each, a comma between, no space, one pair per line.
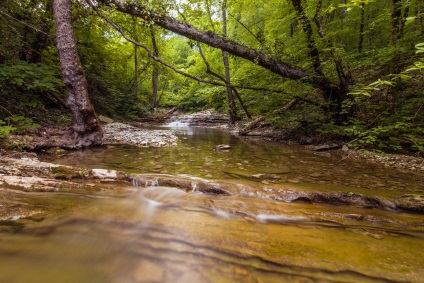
(353,66)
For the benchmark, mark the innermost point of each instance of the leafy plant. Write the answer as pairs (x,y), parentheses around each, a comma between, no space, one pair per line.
(16,124)
(32,77)
(21,124)
(386,137)
(5,130)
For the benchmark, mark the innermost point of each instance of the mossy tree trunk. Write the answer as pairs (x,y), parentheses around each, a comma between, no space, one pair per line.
(86,128)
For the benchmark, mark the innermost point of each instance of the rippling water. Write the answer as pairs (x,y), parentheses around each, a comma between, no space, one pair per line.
(164,234)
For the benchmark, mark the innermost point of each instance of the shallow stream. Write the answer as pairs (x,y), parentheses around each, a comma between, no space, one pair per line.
(152,233)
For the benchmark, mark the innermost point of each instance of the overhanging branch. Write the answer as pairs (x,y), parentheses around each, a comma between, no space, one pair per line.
(283,69)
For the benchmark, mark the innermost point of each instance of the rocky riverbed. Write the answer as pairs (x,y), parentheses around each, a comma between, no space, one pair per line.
(23,173)
(213,119)
(118,133)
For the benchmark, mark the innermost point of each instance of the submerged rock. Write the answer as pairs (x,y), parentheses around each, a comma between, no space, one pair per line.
(326,147)
(222,147)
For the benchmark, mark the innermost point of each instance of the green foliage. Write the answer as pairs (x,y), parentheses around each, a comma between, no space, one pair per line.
(193,103)
(5,130)
(31,77)
(21,124)
(388,137)
(28,86)
(16,124)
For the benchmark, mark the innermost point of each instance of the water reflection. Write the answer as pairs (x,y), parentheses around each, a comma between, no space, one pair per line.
(158,233)
(254,160)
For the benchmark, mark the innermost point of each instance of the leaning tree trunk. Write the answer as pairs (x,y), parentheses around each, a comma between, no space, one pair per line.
(86,127)
(284,69)
(138,9)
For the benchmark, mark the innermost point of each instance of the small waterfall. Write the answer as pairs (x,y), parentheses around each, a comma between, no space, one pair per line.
(193,186)
(178,124)
(155,197)
(144,182)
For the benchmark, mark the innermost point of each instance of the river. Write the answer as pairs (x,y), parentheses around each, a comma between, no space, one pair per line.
(149,232)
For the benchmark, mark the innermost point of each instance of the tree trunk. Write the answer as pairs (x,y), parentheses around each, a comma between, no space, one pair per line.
(155,73)
(331,94)
(135,86)
(404,17)
(310,41)
(232,110)
(343,19)
(345,78)
(86,127)
(209,71)
(419,14)
(361,28)
(396,20)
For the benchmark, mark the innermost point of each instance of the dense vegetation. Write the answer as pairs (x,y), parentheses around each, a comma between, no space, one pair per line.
(369,52)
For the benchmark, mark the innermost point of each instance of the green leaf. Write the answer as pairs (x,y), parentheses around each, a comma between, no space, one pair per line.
(409,20)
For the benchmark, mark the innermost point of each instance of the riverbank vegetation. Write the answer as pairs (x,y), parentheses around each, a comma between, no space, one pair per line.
(350,70)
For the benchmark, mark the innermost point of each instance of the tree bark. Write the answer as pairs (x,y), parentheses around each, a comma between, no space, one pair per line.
(232,110)
(135,86)
(155,73)
(331,94)
(419,14)
(86,128)
(361,28)
(404,17)
(310,41)
(345,78)
(396,21)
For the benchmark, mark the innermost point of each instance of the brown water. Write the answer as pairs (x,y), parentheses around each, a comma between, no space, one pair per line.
(162,234)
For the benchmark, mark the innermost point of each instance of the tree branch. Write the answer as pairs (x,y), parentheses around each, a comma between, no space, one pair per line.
(157,59)
(209,71)
(276,66)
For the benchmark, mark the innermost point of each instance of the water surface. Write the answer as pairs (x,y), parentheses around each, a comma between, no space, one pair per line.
(163,234)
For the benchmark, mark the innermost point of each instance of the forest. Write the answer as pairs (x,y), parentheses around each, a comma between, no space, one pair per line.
(204,141)
(349,70)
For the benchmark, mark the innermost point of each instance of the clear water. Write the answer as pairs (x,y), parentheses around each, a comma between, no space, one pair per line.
(163,234)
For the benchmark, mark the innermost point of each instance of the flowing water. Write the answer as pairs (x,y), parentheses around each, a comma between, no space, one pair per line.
(156,233)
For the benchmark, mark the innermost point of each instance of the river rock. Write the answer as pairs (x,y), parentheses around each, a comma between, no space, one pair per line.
(257,176)
(326,147)
(222,147)
(105,119)
(105,174)
(118,133)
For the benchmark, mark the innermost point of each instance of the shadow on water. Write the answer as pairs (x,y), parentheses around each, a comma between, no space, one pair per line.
(165,234)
